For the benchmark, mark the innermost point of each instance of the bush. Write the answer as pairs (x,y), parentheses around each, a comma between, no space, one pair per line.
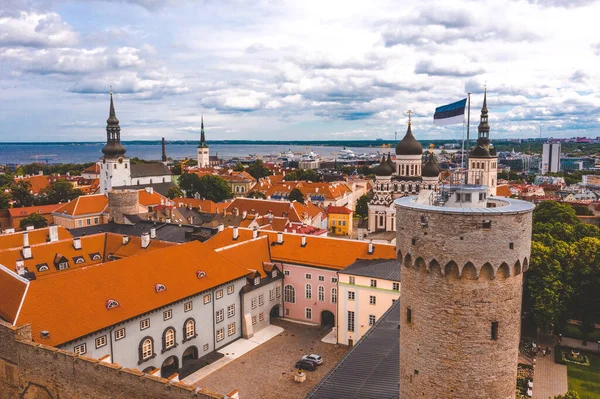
(573,331)
(594,335)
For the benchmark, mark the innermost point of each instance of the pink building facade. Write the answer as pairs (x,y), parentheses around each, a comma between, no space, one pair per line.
(310,294)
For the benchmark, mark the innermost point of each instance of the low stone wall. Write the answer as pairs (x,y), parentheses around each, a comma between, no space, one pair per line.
(32,370)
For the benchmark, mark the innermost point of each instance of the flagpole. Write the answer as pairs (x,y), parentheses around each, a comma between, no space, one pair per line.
(468,128)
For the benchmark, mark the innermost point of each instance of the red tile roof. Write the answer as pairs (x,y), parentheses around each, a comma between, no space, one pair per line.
(28,210)
(251,254)
(12,291)
(15,240)
(338,210)
(38,183)
(85,205)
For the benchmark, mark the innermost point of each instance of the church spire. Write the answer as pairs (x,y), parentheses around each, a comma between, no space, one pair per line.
(484,127)
(202,137)
(113,147)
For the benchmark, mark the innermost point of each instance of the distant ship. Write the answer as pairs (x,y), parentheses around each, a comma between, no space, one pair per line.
(346,153)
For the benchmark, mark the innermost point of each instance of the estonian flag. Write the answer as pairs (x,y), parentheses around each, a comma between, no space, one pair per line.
(450,114)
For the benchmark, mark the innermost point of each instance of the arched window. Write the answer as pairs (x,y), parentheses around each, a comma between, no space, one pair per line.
(308,291)
(321,293)
(189,328)
(169,338)
(146,349)
(334,295)
(289,294)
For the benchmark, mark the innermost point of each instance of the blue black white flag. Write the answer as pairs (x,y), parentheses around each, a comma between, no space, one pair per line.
(450,114)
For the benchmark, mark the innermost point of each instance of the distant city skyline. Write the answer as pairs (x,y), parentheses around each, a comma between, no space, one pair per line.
(285,70)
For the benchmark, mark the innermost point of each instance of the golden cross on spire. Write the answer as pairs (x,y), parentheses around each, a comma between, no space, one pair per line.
(409,112)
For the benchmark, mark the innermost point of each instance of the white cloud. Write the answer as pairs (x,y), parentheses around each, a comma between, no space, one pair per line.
(32,29)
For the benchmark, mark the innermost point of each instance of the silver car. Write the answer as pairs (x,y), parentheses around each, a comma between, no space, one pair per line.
(313,358)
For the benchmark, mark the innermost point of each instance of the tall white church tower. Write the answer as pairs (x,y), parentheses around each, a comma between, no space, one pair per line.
(115,169)
(483,161)
(203,153)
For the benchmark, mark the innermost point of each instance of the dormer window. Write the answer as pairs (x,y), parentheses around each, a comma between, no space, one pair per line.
(42,267)
(79,259)
(257,280)
(274,273)
(159,288)
(111,303)
(95,256)
(63,265)
(200,273)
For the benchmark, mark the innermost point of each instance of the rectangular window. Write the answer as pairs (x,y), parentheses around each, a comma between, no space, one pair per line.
(481,197)
(253,303)
(144,324)
(396,286)
(511,245)
(219,294)
(230,329)
(231,310)
(261,299)
(334,295)
(321,293)
(261,316)
(286,272)
(277,292)
(254,319)
(219,315)
(334,279)
(373,283)
(79,223)
(308,276)
(205,347)
(351,280)
(308,312)
(308,291)
(119,334)
(100,341)
(206,299)
(321,278)
(230,289)
(372,319)
(468,197)
(408,315)
(80,349)
(350,295)
(96,221)
(350,320)
(487,224)
(167,314)
(220,334)
(88,222)
(372,300)
(494,330)
(256,280)
(287,312)
(187,306)
(271,295)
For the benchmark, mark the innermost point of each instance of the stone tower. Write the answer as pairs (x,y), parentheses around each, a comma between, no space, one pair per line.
(203,156)
(114,165)
(483,161)
(463,255)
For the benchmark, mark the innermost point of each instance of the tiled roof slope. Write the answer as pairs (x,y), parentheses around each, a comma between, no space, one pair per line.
(147,199)
(37,236)
(149,169)
(331,253)
(387,269)
(12,290)
(52,304)
(338,210)
(85,205)
(250,254)
(28,210)
(370,369)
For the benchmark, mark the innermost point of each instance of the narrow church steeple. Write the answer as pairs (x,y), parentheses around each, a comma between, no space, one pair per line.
(483,139)
(202,137)
(113,147)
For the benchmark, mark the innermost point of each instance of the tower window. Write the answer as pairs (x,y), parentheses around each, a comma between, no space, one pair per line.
(494,330)
(487,224)
(414,241)
(408,315)
(511,245)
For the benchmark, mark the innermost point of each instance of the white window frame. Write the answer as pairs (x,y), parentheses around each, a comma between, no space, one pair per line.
(188,306)
(308,291)
(190,329)
(271,294)
(231,310)
(334,280)
(147,350)
(230,289)
(119,334)
(351,322)
(261,316)
(253,303)
(254,320)
(205,347)
(286,272)
(321,278)
(220,334)
(80,349)
(207,298)
(321,293)
(167,314)
(261,299)
(257,280)
(101,341)
(372,319)
(372,300)
(219,294)
(308,276)
(289,294)
(351,295)
(231,329)
(144,324)
(351,280)
(334,295)
(219,315)
(277,292)
(396,286)
(373,283)
(169,338)
(308,313)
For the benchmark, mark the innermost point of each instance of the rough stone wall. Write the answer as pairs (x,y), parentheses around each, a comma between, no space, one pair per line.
(454,296)
(121,203)
(32,370)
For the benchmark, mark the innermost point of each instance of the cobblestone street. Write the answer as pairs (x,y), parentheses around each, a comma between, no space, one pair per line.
(267,371)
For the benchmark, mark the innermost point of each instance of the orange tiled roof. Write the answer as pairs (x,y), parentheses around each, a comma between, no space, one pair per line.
(95,169)
(262,207)
(203,205)
(330,191)
(85,205)
(503,191)
(338,210)
(13,290)
(15,240)
(52,304)
(147,199)
(250,254)
(28,210)
(38,183)
(331,253)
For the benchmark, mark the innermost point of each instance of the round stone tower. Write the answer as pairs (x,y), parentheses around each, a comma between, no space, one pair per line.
(463,256)
(122,202)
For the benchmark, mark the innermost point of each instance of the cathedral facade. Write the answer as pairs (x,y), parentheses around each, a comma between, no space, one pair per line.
(407,175)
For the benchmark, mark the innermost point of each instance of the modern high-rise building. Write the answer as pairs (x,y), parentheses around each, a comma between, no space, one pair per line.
(551,158)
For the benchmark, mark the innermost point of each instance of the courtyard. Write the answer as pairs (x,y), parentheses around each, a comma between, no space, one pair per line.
(268,370)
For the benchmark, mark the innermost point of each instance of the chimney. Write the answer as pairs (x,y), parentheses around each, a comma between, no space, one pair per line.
(270,214)
(9,231)
(162,201)
(371,248)
(53,233)
(25,239)
(145,240)
(29,228)
(152,232)
(221,227)
(255,232)
(280,238)
(244,214)
(125,240)
(27,252)
(235,233)
(20,267)
(303,240)
(77,243)
(316,189)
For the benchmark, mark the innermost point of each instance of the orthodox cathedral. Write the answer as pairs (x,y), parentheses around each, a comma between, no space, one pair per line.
(116,171)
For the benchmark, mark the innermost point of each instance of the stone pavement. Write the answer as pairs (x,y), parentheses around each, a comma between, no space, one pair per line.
(549,378)
(577,343)
(331,337)
(233,351)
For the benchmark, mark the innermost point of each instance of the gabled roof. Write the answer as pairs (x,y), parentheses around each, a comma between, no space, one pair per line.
(330,191)
(36,236)
(149,170)
(251,254)
(38,182)
(387,269)
(202,205)
(94,169)
(147,199)
(338,210)
(331,253)
(12,292)
(28,210)
(53,304)
(503,191)
(85,205)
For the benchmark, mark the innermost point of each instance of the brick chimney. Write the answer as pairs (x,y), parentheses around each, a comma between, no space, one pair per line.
(145,240)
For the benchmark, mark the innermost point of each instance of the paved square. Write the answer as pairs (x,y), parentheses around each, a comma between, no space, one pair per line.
(267,372)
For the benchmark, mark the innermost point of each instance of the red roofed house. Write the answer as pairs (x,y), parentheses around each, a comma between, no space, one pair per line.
(85,210)
(339,220)
(18,214)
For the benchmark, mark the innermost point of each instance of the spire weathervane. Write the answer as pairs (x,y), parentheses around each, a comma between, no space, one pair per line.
(409,114)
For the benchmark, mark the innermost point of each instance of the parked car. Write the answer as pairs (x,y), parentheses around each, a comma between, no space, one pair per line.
(313,358)
(306,365)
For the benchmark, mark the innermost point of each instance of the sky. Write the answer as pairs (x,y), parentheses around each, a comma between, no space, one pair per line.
(296,70)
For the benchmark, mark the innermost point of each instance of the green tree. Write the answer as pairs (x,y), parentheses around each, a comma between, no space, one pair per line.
(256,194)
(177,169)
(239,167)
(6,179)
(214,188)
(258,169)
(190,183)
(569,395)
(582,210)
(4,200)
(291,176)
(554,212)
(35,219)
(174,192)
(59,191)
(296,195)
(362,206)
(20,192)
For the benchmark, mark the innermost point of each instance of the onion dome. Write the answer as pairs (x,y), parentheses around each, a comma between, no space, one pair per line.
(431,168)
(409,145)
(391,163)
(384,168)
(113,147)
